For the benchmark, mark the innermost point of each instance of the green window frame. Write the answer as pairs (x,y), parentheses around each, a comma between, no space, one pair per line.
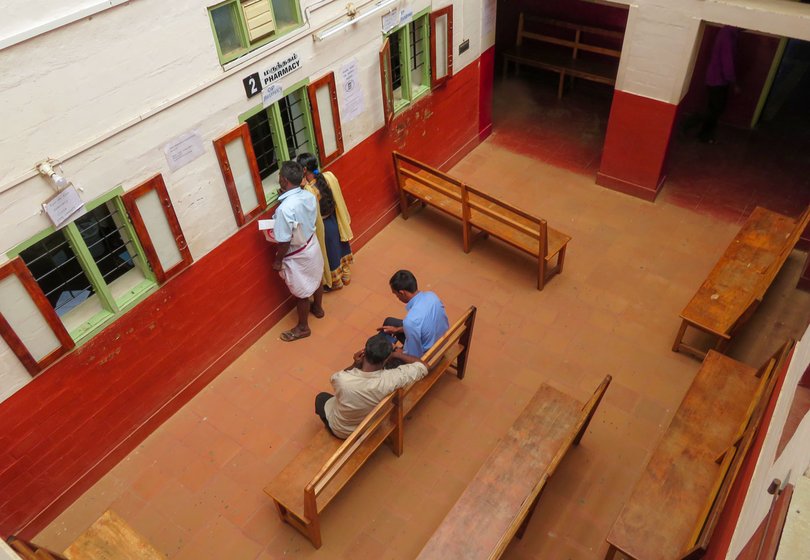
(111,306)
(235,34)
(285,146)
(410,64)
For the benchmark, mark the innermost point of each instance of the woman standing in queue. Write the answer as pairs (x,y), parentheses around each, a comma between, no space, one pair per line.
(336,228)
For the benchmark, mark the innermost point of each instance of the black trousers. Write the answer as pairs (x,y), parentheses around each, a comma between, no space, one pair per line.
(320,409)
(718,97)
(394,322)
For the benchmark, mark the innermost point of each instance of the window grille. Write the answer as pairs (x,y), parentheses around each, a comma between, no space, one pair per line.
(262,138)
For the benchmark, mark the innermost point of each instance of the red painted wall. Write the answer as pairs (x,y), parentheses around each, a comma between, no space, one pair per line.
(636,144)
(754,57)
(74,421)
(578,11)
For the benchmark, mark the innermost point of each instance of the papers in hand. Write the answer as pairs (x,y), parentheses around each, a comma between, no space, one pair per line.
(266,224)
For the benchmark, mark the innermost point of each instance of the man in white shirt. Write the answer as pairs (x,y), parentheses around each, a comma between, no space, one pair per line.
(298,256)
(361,386)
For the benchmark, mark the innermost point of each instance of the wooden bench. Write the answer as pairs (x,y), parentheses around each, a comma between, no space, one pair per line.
(739,280)
(315,476)
(108,538)
(557,46)
(674,508)
(500,500)
(420,184)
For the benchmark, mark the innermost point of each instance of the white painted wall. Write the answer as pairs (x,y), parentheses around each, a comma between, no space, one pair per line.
(791,463)
(662,38)
(105,93)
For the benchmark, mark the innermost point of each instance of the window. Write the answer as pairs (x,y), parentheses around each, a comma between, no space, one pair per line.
(415,58)
(88,273)
(242,25)
(279,133)
(92,269)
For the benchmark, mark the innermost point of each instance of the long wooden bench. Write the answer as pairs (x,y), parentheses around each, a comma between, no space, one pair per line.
(315,476)
(673,510)
(500,500)
(738,282)
(421,184)
(108,537)
(557,46)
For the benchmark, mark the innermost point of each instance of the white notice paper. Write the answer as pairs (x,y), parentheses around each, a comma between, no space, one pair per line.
(271,94)
(390,20)
(63,205)
(405,15)
(353,102)
(183,150)
(266,224)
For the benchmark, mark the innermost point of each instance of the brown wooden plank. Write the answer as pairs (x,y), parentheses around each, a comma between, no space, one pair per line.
(506,484)
(743,273)
(658,518)
(111,538)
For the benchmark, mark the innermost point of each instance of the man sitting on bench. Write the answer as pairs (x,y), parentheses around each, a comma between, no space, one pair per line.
(361,386)
(426,320)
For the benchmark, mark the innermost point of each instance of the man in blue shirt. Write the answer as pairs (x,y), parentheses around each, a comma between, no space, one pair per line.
(426,320)
(299,260)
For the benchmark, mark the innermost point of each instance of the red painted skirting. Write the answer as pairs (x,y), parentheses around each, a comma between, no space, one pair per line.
(636,145)
(81,416)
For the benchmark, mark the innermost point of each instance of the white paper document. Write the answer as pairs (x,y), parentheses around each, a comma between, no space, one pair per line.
(266,224)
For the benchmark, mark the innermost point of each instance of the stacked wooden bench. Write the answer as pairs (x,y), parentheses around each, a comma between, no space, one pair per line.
(420,184)
(674,507)
(557,46)
(315,476)
(499,502)
(739,280)
(108,537)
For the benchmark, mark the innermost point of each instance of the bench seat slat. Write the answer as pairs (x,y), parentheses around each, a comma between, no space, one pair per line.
(287,487)
(474,527)
(743,273)
(682,471)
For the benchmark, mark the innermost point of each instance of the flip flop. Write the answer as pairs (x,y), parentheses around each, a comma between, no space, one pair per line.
(317,315)
(291,335)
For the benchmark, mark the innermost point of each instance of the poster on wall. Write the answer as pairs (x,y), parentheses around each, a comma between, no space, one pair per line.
(272,94)
(353,102)
(183,150)
(64,207)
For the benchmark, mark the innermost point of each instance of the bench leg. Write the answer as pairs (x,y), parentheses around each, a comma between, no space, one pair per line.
(676,346)
(561,259)
(561,86)
(611,552)
(525,524)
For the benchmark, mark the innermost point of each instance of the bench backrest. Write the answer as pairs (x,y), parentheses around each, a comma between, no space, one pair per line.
(731,461)
(383,420)
(577,42)
(449,353)
(404,167)
(30,551)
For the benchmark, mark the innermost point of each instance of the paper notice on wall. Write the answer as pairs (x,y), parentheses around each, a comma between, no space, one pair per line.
(405,15)
(266,224)
(272,94)
(353,102)
(390,20)
(488,19)
(183,150)
(64,207)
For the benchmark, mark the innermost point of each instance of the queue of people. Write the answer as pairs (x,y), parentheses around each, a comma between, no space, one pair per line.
(312,230)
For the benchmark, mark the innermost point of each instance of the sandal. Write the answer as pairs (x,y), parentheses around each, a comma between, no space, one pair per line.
(291,335)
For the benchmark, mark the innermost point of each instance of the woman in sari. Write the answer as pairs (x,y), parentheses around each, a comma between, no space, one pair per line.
(333,226)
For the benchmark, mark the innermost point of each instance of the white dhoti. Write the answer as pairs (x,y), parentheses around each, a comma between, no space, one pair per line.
(302,269)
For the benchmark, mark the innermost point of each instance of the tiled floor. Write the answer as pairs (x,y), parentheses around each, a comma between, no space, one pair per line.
(194,487)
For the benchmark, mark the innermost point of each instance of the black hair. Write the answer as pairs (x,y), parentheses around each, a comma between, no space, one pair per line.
(378,348)
(327,201)
(293,172)
(403,280)
(308,162)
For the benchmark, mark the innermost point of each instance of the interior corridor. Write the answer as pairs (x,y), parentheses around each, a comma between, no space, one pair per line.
(194,487)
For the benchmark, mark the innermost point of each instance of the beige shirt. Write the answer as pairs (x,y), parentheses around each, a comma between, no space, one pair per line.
(357,392)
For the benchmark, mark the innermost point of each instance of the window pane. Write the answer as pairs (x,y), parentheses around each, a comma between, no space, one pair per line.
(294,123)
(417,54)
(327,118)
(56,269)
(108,241)
(285,13)
(396,66)
(226,26)
(441,46)
(262,138)
(25,319)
